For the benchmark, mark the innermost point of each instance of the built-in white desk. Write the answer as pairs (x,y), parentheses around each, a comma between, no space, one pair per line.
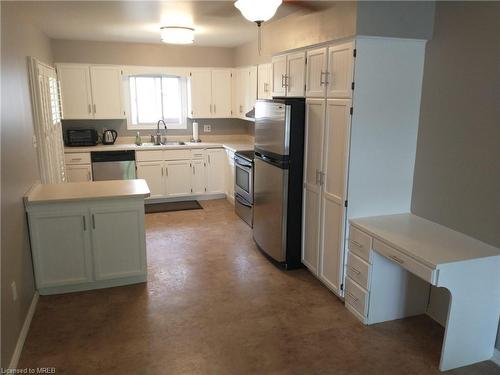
(394,259)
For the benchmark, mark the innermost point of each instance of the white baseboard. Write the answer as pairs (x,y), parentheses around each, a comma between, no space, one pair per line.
(496,356)
(24,332)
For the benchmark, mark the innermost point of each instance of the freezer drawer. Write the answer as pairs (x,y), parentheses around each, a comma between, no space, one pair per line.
(270,209)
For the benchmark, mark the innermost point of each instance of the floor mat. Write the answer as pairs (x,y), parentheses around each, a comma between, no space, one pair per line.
(153,208)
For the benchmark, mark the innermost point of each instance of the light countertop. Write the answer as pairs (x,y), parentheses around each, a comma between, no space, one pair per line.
(75,191)
(424,240)
(232,146)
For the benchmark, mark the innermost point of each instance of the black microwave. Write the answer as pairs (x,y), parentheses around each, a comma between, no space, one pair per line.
(81,137)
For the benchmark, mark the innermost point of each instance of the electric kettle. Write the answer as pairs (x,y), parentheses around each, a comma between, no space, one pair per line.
(109,136)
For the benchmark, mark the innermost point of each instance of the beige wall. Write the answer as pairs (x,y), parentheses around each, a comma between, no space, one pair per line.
(457,168)
(19,168)
(299,30)
(140,54)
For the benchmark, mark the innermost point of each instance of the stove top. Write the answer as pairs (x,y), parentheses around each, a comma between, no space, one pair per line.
(247,155)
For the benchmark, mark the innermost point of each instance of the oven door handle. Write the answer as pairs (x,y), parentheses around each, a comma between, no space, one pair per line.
(243,165)
(242,202)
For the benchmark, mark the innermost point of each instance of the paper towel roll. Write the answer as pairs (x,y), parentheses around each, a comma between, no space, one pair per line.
(195,132)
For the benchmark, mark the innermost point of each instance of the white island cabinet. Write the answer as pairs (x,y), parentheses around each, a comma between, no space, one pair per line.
(87,235)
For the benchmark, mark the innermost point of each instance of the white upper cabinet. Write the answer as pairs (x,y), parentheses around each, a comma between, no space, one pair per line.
(316,73)
(295,77)
(264,84)
(340,70)
(288,73)
(278,71)
(221,93)
(106,92)
(90,91)
(244,90)
(200,94)
(76,94)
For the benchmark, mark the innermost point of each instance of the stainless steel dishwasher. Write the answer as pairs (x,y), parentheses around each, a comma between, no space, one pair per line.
(113,165)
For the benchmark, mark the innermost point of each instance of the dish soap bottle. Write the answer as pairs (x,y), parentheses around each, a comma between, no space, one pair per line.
(138,140)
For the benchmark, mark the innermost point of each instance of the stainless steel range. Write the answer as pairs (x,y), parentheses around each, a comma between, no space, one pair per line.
(243,185)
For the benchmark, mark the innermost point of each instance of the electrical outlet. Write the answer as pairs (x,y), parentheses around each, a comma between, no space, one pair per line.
(207,128)
(14,291)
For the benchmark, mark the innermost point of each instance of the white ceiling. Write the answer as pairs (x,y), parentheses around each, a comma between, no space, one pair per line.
(216,23)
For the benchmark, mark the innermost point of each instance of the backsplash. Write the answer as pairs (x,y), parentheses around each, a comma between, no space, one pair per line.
(218,127)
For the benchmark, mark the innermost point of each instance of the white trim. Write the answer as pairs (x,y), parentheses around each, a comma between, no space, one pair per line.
(496,356)
(24,332)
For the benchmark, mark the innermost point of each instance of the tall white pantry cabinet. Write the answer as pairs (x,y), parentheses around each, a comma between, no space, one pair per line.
(362,113)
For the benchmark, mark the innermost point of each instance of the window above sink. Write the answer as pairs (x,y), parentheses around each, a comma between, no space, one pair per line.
(149,98)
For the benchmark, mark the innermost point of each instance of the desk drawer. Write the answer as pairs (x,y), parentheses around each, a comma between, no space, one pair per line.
(410,264)
(360,243)
(154,155)
(184,154)
(358,270)
(356,297)
(77,158)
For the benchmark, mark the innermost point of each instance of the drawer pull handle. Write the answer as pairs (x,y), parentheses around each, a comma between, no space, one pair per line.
(357,244)
(76,159)
(355,270)
(353,297)
(396,259)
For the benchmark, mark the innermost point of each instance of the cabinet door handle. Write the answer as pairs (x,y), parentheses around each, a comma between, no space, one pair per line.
(95,108)
(215,109)
(355,270)
(318,177)
(88,176)
(93,221)
(193,169)
(166,171)
(355,299)
(208,158)
(357,244)
(321,82)
(84,224)
(210,108)
(162,171)
(286,80)
(396,259)
(90,108)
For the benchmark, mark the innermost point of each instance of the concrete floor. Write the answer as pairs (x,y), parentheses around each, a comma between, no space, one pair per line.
(215,305)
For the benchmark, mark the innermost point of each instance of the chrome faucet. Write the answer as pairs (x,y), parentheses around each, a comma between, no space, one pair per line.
(156,139)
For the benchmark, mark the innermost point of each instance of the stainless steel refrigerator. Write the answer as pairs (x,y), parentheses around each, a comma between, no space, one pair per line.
(278,170)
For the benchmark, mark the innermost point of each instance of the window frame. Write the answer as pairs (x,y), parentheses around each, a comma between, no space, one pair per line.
(182,125)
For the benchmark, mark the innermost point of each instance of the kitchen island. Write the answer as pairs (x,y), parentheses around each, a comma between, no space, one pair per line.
(87,235)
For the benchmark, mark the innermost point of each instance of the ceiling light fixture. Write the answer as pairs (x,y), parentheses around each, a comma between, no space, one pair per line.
(258,11)
(177,34)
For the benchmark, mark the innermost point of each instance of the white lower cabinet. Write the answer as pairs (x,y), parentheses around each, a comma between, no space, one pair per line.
(183,173)
(215,171)
(153,172)
(61,247)
(325,186)
(198,177)
(78,173)
(178,178)
(87,245)
(115,242)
